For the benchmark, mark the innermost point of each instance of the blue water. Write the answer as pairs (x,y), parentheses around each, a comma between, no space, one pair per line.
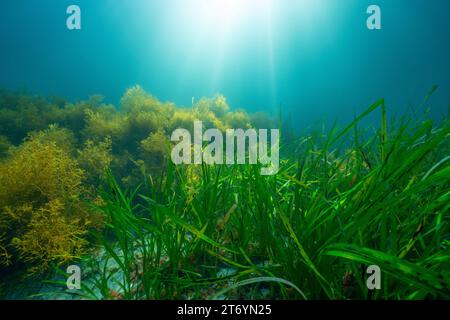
(312,59)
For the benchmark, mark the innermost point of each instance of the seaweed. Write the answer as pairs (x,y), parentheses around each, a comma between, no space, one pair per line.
(91,183)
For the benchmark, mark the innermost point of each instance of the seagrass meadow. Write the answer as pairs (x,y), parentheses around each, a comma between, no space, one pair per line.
(90,185)
(120,179)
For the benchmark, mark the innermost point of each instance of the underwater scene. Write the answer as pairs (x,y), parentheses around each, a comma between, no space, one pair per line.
(224,150)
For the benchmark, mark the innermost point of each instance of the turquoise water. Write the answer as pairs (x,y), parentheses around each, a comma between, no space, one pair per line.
(105,188)
(314,60)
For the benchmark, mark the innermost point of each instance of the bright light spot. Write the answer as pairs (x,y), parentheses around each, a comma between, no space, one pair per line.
(221,13)
(217,37)
(223,16)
